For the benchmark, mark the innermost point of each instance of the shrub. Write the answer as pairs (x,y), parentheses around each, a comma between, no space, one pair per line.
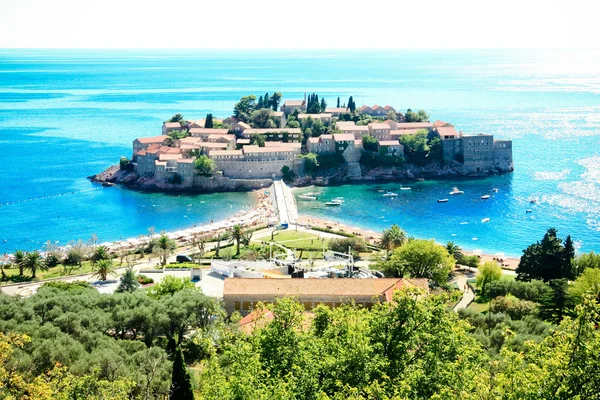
(532,291)
(341,245)
(514,307)
(144,280)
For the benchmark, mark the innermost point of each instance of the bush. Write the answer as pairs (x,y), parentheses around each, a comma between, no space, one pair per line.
(514,307)
(144,280)
(341,245)
(329,230)
(532,291)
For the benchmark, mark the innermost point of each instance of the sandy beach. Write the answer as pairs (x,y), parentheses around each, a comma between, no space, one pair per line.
(373,237)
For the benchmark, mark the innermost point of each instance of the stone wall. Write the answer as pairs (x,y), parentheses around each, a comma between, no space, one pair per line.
(253,169)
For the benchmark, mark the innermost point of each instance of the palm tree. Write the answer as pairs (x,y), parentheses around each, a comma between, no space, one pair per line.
(100,253)
(224,236)
(393,237)
(19,258)
(104,268)
(237,233)
(455,251)
(33,261)
(164,247)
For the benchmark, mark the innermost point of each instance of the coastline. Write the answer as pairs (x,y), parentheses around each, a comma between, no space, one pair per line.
(372,237)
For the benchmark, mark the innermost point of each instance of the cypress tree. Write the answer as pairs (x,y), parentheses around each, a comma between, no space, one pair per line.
(266,101)
(338,102)
(181,382)
(568,256)
(351,104)
(259,103)
(209,121)
(323,104)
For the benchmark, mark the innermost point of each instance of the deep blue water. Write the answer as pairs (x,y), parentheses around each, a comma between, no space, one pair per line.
(65,115)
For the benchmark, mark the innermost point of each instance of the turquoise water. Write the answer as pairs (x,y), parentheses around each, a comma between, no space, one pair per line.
(65,115)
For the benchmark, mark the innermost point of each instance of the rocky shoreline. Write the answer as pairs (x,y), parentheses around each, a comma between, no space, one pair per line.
(218,183)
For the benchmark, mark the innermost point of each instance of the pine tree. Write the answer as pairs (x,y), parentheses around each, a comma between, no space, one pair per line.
(181,382)
(259,104)
(338,102)
(323,104)
(568,255)
(265,103)
(209,121)
(129,282)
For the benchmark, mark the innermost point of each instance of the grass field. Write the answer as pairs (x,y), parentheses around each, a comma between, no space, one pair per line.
(301,240)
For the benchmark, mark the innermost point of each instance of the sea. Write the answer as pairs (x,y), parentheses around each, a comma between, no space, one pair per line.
(68,114)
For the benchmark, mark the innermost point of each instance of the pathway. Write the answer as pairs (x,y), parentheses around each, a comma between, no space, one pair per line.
(468,294)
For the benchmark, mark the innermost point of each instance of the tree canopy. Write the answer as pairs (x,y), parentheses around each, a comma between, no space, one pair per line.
(547,259)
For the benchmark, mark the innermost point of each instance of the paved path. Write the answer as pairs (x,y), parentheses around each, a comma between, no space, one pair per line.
(468,294)
(285,203)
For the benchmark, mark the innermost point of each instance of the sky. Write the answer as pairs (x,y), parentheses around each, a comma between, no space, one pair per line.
(310,24)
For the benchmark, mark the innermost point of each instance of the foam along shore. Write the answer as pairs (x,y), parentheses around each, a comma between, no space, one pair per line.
(373,237)
(260,214)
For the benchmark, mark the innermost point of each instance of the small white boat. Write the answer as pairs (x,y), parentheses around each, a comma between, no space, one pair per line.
(405,188)
(381,190)
(333,203)
(442,201)
(528,211)
(485,220)
(485,197)
(307,197)
(456,191)
(390,194)
(496,190)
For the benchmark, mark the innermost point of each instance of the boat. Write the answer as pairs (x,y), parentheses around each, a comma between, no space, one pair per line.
(533,201)
(442,201)
(390,194)
(528,211)
(405,188)
(339,200)
(333,203)
(381,190)
(485,220)
(495,190)
(485,197)
(456,191)
(307,197)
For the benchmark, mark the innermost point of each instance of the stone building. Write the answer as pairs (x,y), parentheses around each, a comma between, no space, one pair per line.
(145,142)
(275,134)
(325,118)
(243,294)
(289,106)
(380,131)
(169,127)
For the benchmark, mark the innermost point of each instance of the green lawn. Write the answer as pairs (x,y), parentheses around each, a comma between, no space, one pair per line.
(479,307)
(301,240)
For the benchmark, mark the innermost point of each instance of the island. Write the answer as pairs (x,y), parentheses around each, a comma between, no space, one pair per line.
(304,142)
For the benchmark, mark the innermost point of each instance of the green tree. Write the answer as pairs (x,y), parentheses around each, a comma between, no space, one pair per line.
(34,262)
(419,116)
(100,253)
(416,147)
(425,259)
(244,108)
(274,100)
(587,284)
(261,117)
(546,260)
(323,104)
(455,251)
(19,258)
(129,282)
(338,102)
(169,286)
(181,382)
(487,273)
(176,118)
(391,115)
(209,121)
(586,261)
(259,140)
(164,247)
(204,165)
(392,238)
(310,163)
(351,105)
(370,143)
(237,233)
(555,305)
(103,268)
(288,174)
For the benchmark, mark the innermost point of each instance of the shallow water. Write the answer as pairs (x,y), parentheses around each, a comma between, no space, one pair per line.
(65,115)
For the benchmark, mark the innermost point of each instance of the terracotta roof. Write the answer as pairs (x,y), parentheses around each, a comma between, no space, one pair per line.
(216,136)
(337,110)
(213,145)
(314,116)
(208,131)
(226,153)
(313,140)
(189,140)
(376,106)
(271,130)
(293,103)
(186,161)
(169,150)
(400,132)
(343,137)
(172,124)
(446,131)
(141,153)
(284,144)
(414,125)
(168,157)
(333,287)
(344,128)
(388,108)
(364,108)
(243,125)
(326,136)
(389,143)
(345,123)
(379,125)
(154,139)
(439,123)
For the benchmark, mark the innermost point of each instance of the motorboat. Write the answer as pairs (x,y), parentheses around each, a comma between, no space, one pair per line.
(307,197)
(528,211)
(405,188)
(485,197)
(456,191)
(333,203)
(533,201)
(485,220)
(495,190)
(338,200)
(390,194)
(442,201)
